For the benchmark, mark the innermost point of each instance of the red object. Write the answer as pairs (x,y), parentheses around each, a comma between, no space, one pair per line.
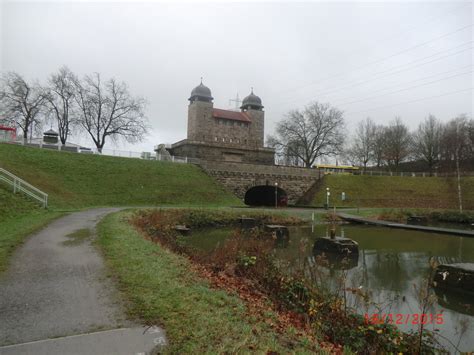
(282,201)
(230,115)
(9,129)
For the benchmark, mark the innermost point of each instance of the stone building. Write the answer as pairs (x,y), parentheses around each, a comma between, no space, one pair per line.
(223,135)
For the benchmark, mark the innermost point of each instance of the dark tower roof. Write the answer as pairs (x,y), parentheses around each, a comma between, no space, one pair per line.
(201,93)
(252,101)
(51,132)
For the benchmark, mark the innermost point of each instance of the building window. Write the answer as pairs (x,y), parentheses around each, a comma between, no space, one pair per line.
(230,140)
(223,139)
(215,139)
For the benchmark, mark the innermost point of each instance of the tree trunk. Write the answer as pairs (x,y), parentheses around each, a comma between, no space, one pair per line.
(459,182)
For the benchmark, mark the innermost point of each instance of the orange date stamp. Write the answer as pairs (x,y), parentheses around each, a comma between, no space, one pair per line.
(402,318)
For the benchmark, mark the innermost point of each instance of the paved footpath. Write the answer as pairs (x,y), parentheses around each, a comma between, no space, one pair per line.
(55,297)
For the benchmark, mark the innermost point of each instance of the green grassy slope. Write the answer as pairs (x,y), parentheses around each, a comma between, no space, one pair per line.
(12,205)
(396,191)
(75,181)
(19,217)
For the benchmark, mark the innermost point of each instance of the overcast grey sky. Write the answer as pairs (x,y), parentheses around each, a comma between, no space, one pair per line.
(377,59)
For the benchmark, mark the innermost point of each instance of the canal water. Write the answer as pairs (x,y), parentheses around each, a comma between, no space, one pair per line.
(391,266)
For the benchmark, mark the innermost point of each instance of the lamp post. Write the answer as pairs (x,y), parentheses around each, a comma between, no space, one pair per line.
(327,197)
(276,195)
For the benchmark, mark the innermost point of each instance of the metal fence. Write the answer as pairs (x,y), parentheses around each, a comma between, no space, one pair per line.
(107,152)
(20,185)
(411,174)
(178,159)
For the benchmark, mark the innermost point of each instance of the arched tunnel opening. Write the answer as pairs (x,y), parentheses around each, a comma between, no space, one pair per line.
(265,196)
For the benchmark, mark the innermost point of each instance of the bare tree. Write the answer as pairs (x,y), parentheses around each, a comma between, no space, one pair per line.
(471,138)
(20,102)
(378,145)
(60,95)
(397,143)
(362,149)
(427,142)
(285,155)
(109,110)
(315,132)
(456,137)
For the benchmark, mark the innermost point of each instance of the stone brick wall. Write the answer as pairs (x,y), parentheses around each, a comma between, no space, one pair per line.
(222,151)
(199,119)
(203,127)
(257,127)
(240,177)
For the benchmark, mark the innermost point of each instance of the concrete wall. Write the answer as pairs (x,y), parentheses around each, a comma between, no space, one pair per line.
(240,177)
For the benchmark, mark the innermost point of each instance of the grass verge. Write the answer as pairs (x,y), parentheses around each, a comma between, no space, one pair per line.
(164,288)
(441,218)
(14,230)
(19,217)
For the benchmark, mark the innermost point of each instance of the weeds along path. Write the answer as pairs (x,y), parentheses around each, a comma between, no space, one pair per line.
(56,286)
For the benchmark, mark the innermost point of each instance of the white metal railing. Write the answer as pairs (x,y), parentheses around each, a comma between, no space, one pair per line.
(20,185)
(111,152)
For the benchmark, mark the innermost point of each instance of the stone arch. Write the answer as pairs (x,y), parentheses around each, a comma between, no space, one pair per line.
(264,195)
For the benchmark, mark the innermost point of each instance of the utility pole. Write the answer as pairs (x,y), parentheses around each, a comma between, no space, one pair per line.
(276,195)
(237,102)
(328,193)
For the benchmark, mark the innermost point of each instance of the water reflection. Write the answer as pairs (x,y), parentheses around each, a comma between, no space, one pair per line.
(336,260)
(389,264)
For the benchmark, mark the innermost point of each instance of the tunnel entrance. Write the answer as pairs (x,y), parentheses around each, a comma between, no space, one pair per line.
(265,196)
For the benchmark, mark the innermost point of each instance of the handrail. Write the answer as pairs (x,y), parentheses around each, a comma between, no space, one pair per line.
(23,186)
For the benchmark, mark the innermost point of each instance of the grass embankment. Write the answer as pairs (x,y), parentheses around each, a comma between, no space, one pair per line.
(19,218)
(164,288)
(396,192)
(77,180)
(401,214)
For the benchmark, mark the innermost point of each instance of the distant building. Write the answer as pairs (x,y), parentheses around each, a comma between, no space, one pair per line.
(224,135)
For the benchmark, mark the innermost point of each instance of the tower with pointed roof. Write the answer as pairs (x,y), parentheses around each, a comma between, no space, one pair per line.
(224,135)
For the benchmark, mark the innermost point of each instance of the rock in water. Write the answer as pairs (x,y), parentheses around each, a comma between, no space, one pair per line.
(457,277)
(338,245)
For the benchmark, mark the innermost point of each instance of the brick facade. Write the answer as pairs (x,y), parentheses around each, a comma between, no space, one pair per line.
(222,135)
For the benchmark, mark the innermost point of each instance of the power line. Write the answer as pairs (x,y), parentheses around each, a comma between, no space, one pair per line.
(415,61)
(336,89)
(405,89)
(385,58)
(412,101)
(414,81)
